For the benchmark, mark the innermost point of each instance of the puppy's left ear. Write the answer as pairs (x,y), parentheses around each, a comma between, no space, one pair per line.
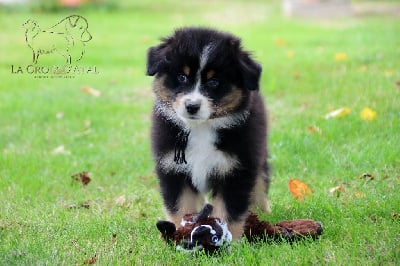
(251,72)
(73,20)
(156,59)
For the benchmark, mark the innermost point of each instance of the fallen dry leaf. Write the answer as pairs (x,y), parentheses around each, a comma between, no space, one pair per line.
(339,188)
(145,39)
(367,114)
(360,195)
(341,112)
(314,129)
(91,260)
(397,84)
(336,191)
(114,239)
(340,57)
(290,54)
(91,91)
(299,189)
(363,68)
(83,178)
(85,205)
(61,150)
(388,72)
(367,176)
(120,201)
(296,75)
(280,42)
(59,115)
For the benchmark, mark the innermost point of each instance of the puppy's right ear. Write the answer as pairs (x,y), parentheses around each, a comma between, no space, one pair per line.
(156,59)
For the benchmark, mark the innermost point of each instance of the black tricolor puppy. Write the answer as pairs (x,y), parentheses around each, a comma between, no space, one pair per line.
(209,126)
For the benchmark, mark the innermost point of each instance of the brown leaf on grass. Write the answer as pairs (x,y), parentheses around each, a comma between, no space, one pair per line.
(360,195)
(85,205)
(395,215)
(280,42)
(314,129)
(363,68)
(296,75)
(367,176)
(91,91)
(341,112)
(120,201)
(82,177)
(397,84)
(60,150)
(388,72)
(290,54)
(91,260)
(145,39)
(340,57)
(336,191)
(59,115)
(299,189)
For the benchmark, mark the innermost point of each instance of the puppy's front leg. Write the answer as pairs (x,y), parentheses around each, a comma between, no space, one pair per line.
(235,224)
(232,198)
(179,197)
(189,201)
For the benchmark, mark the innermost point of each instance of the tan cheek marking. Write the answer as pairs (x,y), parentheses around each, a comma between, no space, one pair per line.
(186,70)
(210,74)
(229,103)
(160,90)
(178,101)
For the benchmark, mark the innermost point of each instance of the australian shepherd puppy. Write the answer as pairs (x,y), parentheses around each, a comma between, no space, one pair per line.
(209,126)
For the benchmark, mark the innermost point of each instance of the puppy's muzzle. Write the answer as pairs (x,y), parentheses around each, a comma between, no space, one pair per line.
(192,106)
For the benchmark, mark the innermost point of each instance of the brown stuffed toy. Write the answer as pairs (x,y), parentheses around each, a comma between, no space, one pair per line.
(202,232)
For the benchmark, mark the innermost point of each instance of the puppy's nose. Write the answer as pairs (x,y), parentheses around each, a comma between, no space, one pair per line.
(192,106)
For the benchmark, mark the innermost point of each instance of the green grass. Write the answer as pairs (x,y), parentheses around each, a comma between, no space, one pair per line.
(41,218)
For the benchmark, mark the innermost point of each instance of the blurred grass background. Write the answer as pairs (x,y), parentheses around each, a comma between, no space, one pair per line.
(310,67)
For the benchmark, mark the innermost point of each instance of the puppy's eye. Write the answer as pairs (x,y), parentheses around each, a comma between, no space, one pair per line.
(212,83)
(182,78)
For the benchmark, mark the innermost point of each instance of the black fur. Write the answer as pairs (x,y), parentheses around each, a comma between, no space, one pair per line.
(246,140)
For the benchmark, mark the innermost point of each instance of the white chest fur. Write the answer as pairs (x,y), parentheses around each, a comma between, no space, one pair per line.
(203,158)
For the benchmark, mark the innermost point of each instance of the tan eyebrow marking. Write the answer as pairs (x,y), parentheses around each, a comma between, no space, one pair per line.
(210,74)
(186,70)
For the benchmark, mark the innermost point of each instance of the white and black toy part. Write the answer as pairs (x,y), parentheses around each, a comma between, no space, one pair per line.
(197,232)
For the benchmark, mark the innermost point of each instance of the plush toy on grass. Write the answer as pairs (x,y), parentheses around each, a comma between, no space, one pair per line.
(201,231)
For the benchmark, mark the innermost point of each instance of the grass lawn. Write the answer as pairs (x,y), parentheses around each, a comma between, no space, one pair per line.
(50,130)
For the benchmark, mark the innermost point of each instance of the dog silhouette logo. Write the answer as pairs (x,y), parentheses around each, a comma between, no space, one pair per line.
(67,38)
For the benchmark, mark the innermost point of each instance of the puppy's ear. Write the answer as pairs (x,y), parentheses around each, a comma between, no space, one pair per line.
(156,59)
(251,72)
(73,20)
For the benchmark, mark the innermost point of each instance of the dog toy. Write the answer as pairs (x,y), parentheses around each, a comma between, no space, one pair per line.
(203,232)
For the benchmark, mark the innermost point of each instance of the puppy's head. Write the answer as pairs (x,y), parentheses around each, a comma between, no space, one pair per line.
(80,25)
(202,74)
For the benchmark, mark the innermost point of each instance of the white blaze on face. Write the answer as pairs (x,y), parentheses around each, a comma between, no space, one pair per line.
(195,96)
